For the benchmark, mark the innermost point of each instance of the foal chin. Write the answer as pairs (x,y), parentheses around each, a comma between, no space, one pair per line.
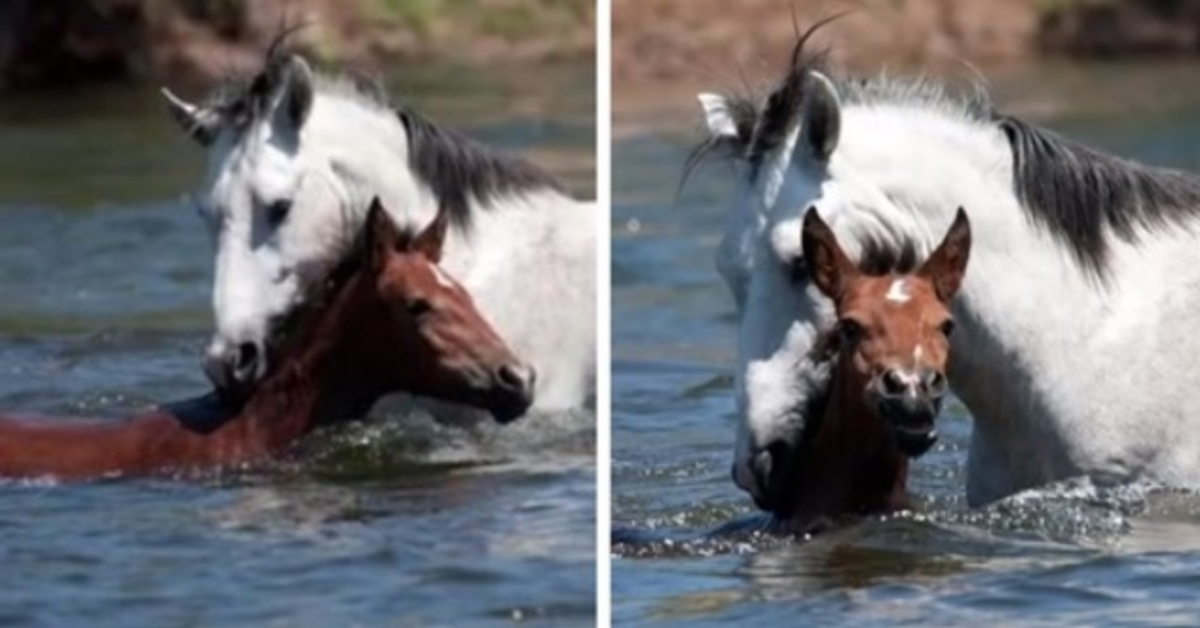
(911,414)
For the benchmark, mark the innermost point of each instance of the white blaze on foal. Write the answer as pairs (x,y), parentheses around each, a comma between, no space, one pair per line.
(898,291)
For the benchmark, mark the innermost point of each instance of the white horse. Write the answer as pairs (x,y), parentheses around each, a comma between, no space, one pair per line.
(1078,332)
(293,161)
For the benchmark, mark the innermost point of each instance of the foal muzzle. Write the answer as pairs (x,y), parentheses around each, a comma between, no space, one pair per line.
(512,393)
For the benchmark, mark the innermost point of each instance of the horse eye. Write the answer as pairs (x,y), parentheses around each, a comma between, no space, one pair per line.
(947,327)
(418,307)
(798,269)
(278,211)
(849,331)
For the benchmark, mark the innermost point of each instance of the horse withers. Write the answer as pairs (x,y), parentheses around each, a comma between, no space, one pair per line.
(886,361)
(385,320)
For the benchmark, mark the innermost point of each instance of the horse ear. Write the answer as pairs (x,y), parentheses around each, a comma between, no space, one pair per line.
(827,264)
(382,237)
(948,263)
(294,97)
(821,120)
(429,241)
(200,123)
(717,116)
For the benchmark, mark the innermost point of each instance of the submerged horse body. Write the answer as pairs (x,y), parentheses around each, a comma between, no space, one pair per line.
(294,158)
(1076,321)
(385,321)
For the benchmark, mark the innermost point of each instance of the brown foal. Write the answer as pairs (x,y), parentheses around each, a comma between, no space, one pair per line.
(888,354)
(387,320)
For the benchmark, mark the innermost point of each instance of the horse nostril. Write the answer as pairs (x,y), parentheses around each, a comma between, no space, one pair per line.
(894,384)
(246,361)
(515,378)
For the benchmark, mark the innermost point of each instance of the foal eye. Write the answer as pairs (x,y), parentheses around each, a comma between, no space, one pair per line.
(417,307)
(278,211)
(947,327)
(849,331)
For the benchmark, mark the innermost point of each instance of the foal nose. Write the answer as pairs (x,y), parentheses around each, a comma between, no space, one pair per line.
(924,382)
(233,368)
(515,383)
(910,401)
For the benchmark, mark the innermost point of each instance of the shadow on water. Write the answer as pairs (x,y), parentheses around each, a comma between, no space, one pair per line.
(1068,554)
(105,279)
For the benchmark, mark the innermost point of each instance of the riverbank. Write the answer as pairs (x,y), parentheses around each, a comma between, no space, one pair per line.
(52,44)
(664,51)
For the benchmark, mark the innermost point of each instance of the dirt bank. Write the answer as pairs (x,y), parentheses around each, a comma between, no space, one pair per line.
(665,50)
(50,43)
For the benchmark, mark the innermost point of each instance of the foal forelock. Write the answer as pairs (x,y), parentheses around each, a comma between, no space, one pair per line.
(1081,196)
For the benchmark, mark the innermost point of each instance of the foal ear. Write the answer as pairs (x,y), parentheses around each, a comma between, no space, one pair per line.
(429,241)
(200,123)
(821,120)
(948,263)
(382,237)
(827,264)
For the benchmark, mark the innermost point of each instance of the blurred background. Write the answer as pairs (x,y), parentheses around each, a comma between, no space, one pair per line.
(105,280)
(665,46)
(65,42)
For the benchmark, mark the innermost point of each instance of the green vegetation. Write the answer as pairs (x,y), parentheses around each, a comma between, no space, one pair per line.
(510,20)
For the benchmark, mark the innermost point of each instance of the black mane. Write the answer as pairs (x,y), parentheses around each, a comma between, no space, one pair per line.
(457,168)
(1078,193)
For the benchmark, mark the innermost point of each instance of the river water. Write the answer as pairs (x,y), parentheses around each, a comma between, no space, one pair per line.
(104,308)
(1070,554)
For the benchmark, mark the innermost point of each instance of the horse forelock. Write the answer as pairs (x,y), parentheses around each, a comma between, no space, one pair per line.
(456,168)
(765,121)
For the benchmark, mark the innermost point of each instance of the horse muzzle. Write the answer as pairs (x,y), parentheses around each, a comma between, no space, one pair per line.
(769,475)
(235,369)
(512,394)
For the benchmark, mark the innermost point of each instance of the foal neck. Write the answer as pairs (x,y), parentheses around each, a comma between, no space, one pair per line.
(325,371)
(853,465)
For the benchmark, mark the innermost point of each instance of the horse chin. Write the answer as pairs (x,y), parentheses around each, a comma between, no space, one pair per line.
(507,407)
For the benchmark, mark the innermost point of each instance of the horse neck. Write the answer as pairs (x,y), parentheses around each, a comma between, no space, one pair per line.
(933,163)
(854,464)
(327,373)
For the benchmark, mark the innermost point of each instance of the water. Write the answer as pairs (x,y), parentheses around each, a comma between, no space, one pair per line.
(104,281)
(1070,554)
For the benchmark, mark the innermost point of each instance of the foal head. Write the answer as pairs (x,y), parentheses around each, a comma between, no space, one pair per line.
(889,350)
(456,355)
(409,327)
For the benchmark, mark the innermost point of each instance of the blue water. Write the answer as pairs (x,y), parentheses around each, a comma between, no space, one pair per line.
(1070,554)
(104,310)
